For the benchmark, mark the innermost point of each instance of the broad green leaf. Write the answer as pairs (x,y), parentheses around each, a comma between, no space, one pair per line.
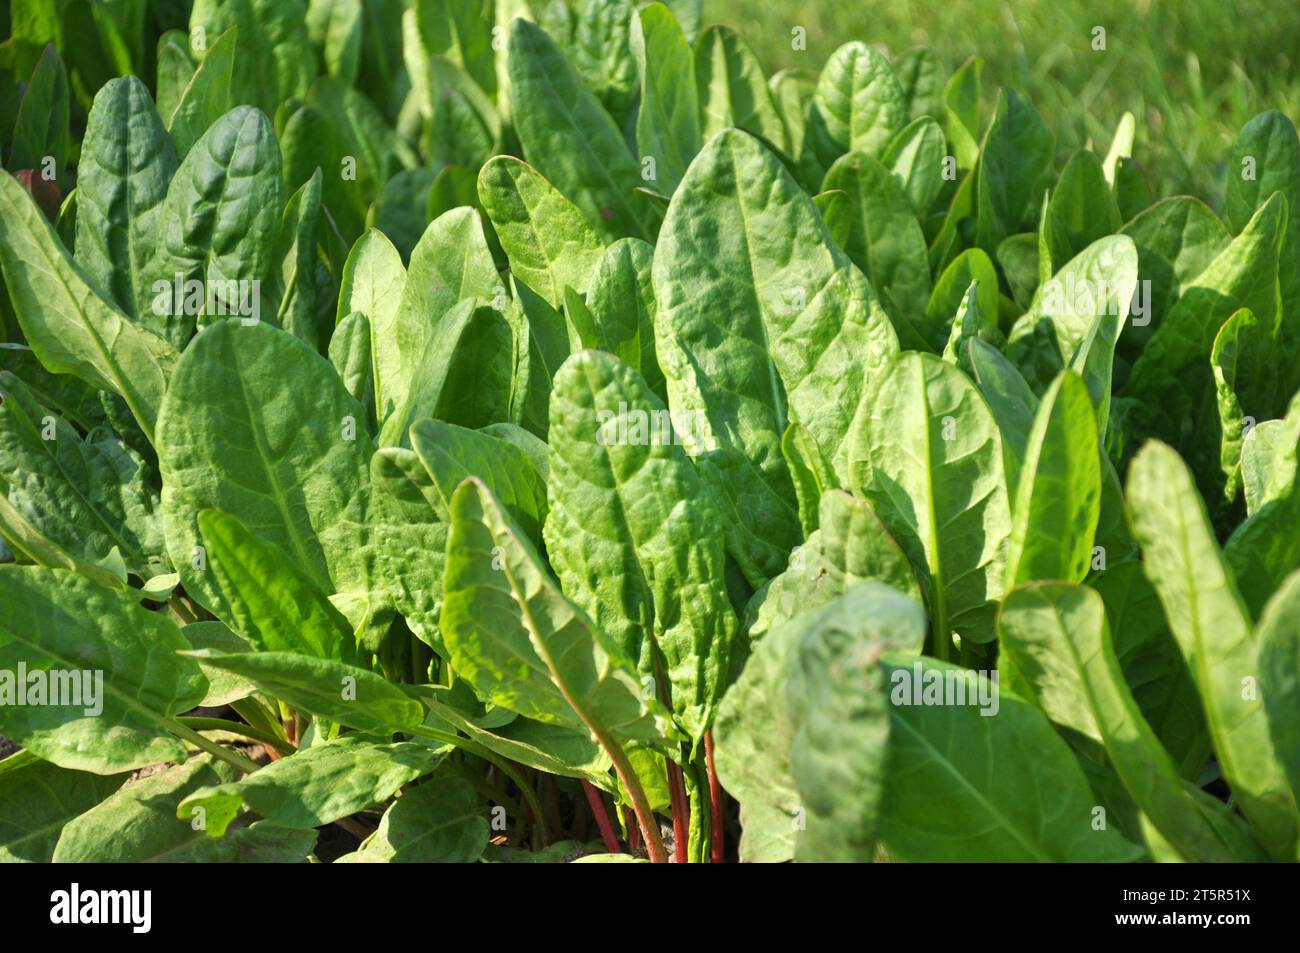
(761,320)
(570,139)
(1017,150)
(599,46)
(336,28)
(458,31)
(858,106)
(1153,666)
(40,799)
(277,60)
(441,821)
(449,454)
(273,604)
(316,786)
(1266,159)
(1176,240)
(1081,210)
(921,78)
(885,239)
(86,497)
(1264,549)
(450,264)
(792,89)
(732,89)
(1207,617)
(349,352)
(327,688)
(1011,401)
(1058,497)
(40,130)
(219,225)
(668,119)
(1058,636)
(928,456)
(1279,670)
(257,425)
(127,162)
(1076,319)
(1173,372)
(840,717)
(850,545)
(72,329)
(956,778)
(209,93)
(949,293)
(55,619)
(915,157)
(550,244)
(522,644)
(1248,372)
(810,472)
(621,300)
(374,283)
(961,119)
(138,824)
(1268,459)
(634,537)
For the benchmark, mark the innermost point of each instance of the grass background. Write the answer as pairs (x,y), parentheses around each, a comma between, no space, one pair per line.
(1191,71)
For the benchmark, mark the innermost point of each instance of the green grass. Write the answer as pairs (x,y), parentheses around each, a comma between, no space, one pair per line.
(1191,71)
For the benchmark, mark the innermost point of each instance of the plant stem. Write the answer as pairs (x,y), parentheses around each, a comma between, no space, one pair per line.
(681,807)
(232,758)
(476,749)
(253,734)
(718,842)
(645,816)
(602,818)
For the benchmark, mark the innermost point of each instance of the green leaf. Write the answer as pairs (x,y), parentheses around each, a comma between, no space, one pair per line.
(273,604)
(41,127)
(885,239)
(349,352)
(40,799)
(256,425)
(956,779)
(761,320)
(1010,399)
(621,300)
(316,786)
(949,293)
(72,329)
(449,454)
(550,244)
(1207,617)
(850,545)
(440,821)
(915,157)
(732,89)
(928,456)
(633,535)
(209,93)
(810,472)
(668,119)
(127,162)
(277,60)
(329,689)
(1058,636)
(522,644)
(1279,670)
(336,28)
(1080,211)
(85,497)
(1248,364)
(570,139)
(55,619)
(373,283)
(1058,497)
(961,98)
(840,715)
(1017,150)
(219,225)
(858,106)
